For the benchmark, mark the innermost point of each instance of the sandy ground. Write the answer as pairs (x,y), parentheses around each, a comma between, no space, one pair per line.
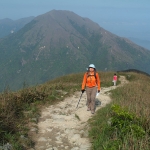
(64,127)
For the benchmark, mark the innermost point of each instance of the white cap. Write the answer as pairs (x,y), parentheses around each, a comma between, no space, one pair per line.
(92,66)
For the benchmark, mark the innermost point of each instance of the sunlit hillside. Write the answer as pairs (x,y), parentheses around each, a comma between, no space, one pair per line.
(128,114)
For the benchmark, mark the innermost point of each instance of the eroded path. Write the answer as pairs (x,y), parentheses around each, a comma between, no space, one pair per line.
(63,127)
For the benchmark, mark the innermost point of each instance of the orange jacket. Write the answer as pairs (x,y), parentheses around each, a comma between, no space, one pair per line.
(91,81)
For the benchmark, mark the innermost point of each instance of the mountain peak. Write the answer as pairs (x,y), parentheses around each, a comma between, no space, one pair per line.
(60,42)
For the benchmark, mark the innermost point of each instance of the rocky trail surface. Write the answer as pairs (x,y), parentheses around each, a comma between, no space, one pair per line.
(64,127)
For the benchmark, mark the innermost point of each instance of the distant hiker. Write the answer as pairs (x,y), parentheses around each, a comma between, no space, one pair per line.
(91,82)
(115,79)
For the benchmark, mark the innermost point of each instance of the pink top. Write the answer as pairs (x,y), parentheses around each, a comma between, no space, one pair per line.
(115,78)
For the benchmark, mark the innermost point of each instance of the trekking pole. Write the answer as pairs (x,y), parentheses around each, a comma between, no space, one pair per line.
(79,100)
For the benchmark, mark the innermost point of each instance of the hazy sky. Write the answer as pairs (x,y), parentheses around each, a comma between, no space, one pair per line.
(115,15)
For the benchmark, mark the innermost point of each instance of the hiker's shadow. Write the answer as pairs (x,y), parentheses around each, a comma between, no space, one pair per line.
(97,103)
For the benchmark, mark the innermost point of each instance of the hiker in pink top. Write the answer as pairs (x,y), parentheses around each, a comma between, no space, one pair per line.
(115,79)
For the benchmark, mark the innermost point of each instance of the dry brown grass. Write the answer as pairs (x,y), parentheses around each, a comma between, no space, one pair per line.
(129,101)
(135,95)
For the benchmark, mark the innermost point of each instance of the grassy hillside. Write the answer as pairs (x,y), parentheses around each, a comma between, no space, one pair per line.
(125,123)
(19,109)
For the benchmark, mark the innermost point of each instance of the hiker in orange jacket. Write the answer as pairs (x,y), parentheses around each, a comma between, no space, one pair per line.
(91,82)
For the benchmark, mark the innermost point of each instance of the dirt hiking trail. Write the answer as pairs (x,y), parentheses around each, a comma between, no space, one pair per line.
(63,127)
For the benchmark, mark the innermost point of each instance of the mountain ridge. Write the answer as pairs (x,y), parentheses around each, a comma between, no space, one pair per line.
(9,26)
(60,42)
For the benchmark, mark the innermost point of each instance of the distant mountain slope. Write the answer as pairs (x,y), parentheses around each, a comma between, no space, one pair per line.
(143,43)
(8,26)
(60,42)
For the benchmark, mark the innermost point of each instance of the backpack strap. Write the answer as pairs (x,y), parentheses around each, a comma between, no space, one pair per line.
(87,75)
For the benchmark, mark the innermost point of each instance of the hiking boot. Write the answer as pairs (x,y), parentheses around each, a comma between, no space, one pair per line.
(88,109)
(92,112)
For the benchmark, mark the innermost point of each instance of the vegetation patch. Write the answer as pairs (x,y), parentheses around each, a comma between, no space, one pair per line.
(124,124)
